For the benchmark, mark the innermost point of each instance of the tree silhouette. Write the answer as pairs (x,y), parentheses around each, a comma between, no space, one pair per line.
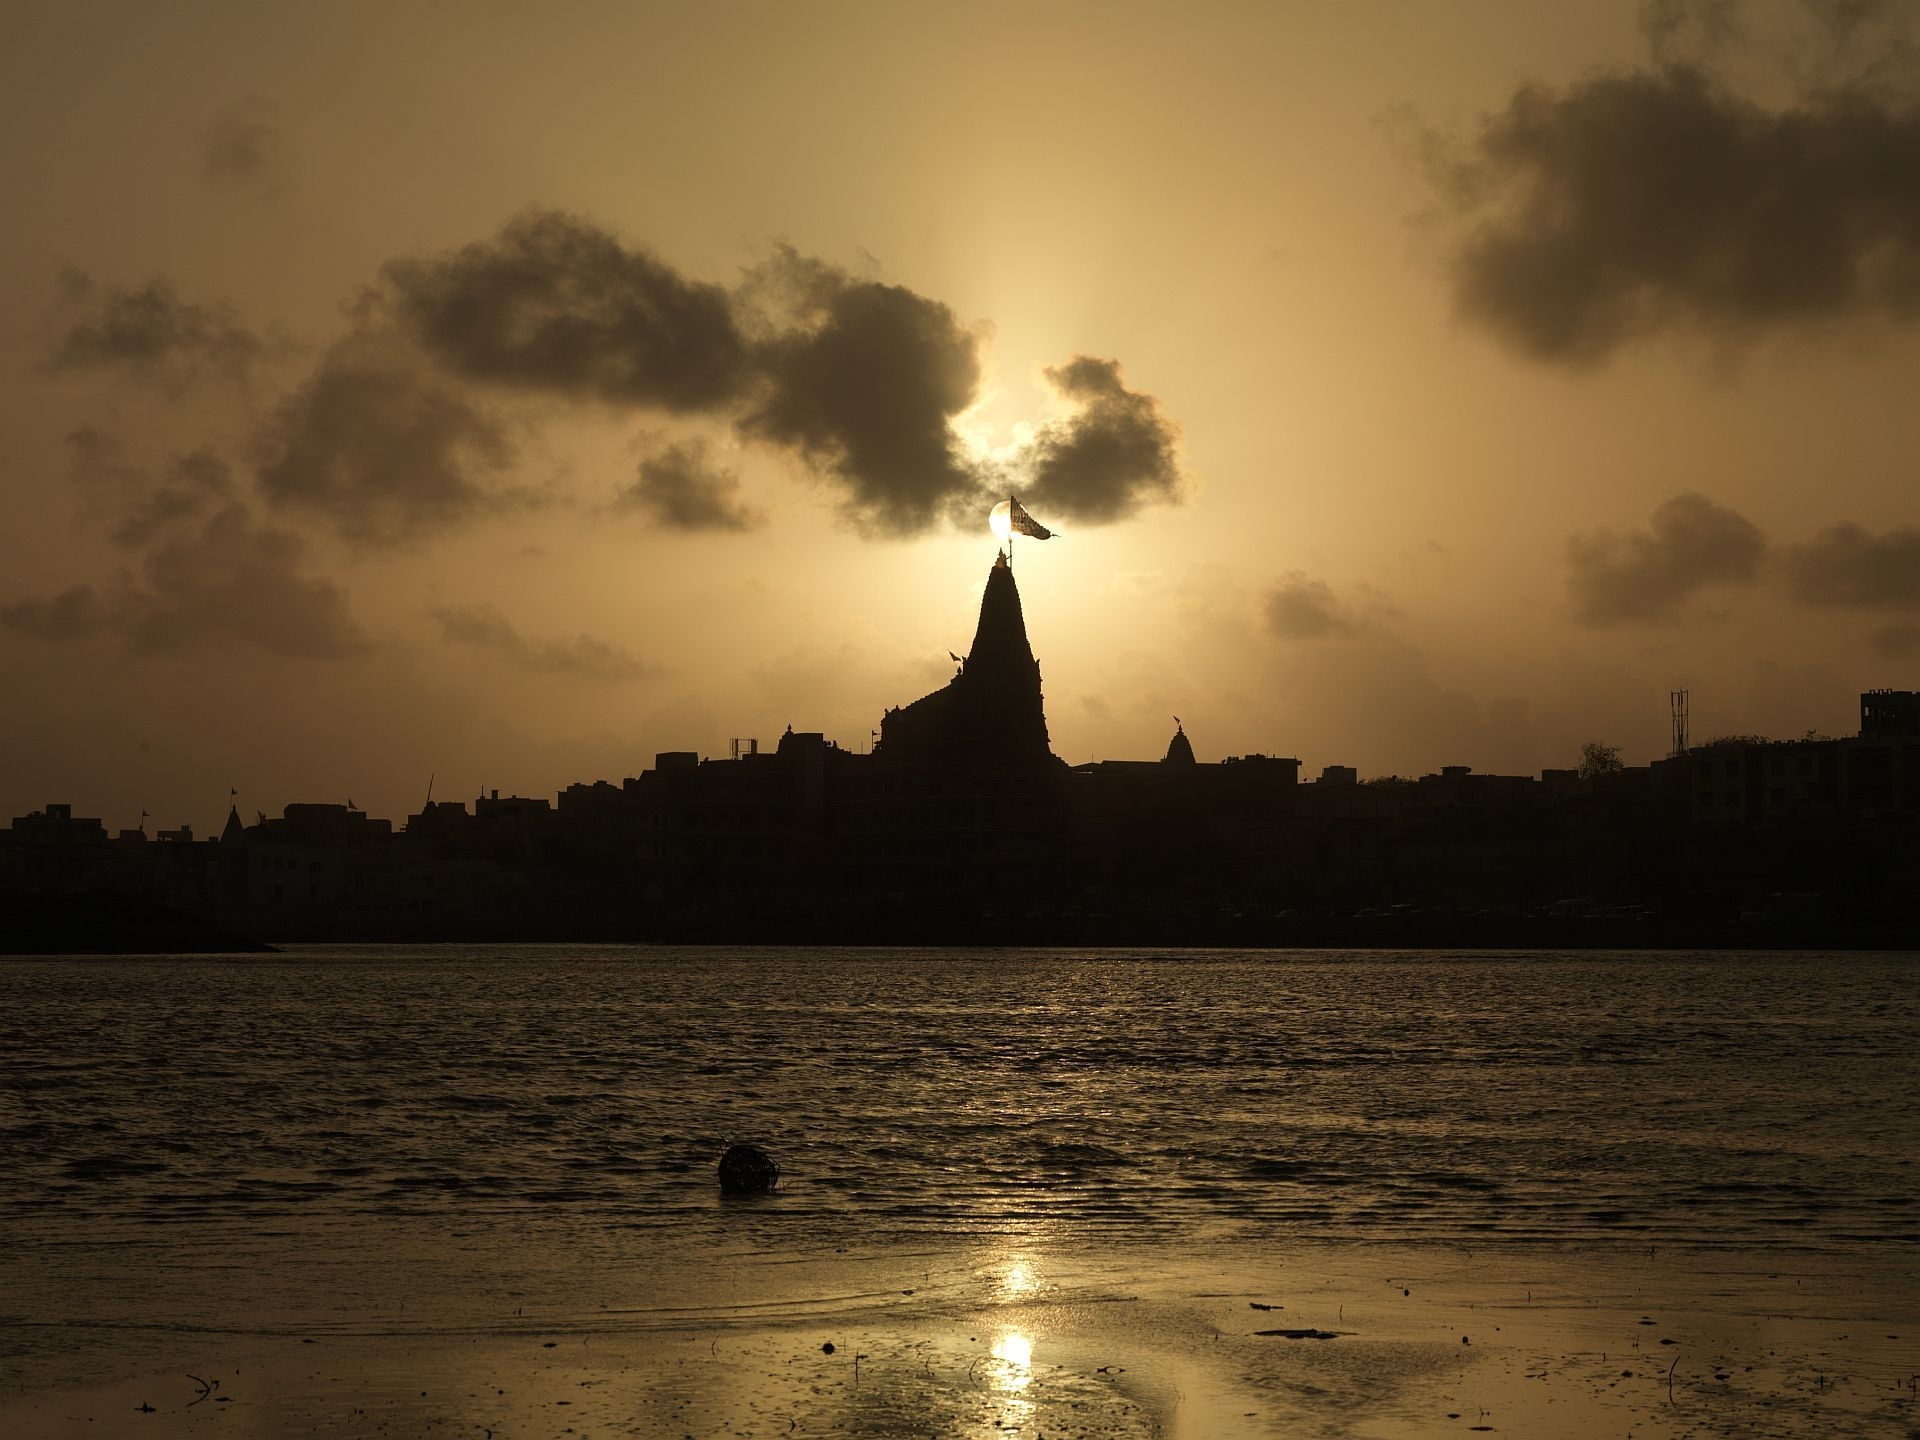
(1597,759)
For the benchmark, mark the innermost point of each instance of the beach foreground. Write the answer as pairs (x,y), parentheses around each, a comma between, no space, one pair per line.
(1360,1341)
(393,1193)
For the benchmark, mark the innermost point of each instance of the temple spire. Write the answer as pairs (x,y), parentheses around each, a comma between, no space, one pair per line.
(1179,749)
(990,717)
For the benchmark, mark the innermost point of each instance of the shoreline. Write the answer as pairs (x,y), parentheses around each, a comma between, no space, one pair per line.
(1387,1342)
(183,937)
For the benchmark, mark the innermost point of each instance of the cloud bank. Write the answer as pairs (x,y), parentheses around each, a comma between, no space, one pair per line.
(483,628)
(1115,456)
(864,389)
(395,434)
(149,333)
(1649,575)
(1303,608)
(682,488)
(1851,568)
(556,304)
(1660,200)
(386,451)
(225,580)
(859,382)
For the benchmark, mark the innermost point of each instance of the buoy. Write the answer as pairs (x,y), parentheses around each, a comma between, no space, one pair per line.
(748,1170)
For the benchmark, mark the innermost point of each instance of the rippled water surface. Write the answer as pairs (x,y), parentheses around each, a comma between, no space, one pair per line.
(1742,1099)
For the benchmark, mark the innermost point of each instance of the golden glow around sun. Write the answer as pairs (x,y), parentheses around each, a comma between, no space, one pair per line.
(1000,521)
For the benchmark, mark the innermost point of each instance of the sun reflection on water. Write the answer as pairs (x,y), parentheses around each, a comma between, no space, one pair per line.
(1017,1350)
(1008,1373)
(1009,1376)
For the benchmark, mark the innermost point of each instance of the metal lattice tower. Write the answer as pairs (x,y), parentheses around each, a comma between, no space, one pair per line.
(1677,700)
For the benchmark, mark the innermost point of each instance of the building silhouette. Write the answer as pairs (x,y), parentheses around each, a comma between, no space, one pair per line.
(989,719)
(961,824)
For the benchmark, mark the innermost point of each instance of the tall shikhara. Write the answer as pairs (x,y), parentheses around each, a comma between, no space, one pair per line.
(989,718)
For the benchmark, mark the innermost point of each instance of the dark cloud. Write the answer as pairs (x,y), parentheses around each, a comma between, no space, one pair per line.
(384,449)
(1659,200)
(236,580)
(99,467)
(481,627)
(226,581)
(1897,641)
(1870,44)
(1302,608)
(244,148)
(556,303)
(1822,46)
(861,381)
(683,488)
(866,389)
(195,485)
(149,333)
(67,616)
(1852,568)
(1689,31)
(1113,456)
(134,506)
(1649,574)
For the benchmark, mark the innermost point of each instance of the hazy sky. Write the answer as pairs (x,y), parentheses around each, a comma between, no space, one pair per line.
(505,393)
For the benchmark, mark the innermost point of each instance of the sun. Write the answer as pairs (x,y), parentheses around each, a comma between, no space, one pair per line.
(1000,521)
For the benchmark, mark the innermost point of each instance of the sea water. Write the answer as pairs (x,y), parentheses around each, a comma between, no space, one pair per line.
(304,1138)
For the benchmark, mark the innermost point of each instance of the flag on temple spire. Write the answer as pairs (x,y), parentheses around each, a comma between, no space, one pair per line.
(1023,523)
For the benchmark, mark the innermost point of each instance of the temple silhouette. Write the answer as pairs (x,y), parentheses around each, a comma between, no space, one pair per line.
(989,719)
(961,825)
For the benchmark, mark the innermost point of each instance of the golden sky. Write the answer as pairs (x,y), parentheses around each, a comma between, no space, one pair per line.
(505,394)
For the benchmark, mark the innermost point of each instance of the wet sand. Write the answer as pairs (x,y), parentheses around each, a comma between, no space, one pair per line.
(1375,1342)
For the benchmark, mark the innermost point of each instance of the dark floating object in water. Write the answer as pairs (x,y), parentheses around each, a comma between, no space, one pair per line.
(748,1170)
(1303,1334)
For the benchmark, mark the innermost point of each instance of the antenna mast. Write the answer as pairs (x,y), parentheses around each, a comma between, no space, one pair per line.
(1677,702)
